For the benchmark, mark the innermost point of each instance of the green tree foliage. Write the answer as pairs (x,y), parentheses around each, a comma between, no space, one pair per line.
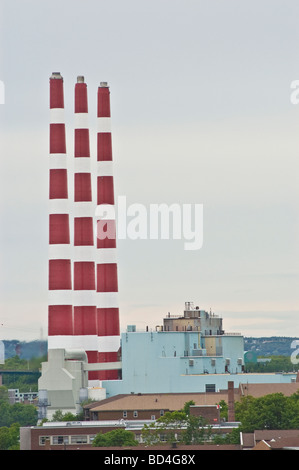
(177,425)
(115,438)
(232,437)
(273,411)
(9,437)
(60,416)
(277,363)
(22,382)
(223,409)
(24,415)
(3,394)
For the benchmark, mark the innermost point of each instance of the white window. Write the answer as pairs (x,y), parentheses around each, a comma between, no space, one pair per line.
(78,439)
(59,440)
(135,414)
(125,414)
(42,440)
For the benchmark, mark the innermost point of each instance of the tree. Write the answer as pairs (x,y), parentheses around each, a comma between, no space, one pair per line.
(117,438)
(196,431)
(60,416)
(223,409)
(25,415)
(177,425)
(273,411)
(9,437)
(165,428)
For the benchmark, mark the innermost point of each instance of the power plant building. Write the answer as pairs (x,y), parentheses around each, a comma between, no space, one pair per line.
(188,353)
(87,355)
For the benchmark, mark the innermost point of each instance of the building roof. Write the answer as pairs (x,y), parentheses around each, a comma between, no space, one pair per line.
(161,401)
(259,390)
(262,445)
(276,434)
(267,439)
(176,401)
(284,443)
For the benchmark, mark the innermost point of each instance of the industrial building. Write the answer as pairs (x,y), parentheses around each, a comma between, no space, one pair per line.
(87,355)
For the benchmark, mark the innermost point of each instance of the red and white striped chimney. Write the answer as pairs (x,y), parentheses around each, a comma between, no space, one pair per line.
(107,279)
(60,311)
(85,312)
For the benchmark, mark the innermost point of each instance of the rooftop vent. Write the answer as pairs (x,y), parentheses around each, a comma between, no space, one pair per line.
(56,75)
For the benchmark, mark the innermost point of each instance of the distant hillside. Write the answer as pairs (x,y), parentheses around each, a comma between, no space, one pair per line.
(264,346)
(270,346)
(24,349)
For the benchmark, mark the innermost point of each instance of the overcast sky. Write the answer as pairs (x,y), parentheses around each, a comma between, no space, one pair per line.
(201,114)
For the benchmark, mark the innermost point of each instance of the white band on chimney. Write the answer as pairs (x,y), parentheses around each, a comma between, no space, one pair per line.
(83,209)
(106,256)
(60,297)
(86,342)
(59,206)
(108,343)
(82,165)
(83,253)
(107,300)
(104,124)
(105,212)
(57,161)
(81,121)
(57,116)
(105,168)
(84,298)
(59,251)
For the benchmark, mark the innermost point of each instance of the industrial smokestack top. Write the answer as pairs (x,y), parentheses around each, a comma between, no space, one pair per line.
(104,84)
(56,75)
(80,79)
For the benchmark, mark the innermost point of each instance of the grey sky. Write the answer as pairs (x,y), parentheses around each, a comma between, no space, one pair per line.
(201,113)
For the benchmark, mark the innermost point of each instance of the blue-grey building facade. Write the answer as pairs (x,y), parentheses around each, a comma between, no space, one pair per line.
(191,353)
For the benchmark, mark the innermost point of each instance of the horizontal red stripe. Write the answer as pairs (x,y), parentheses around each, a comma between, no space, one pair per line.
(85,320)
(82,187)
(107,278)
(56,93)
(109,374)
(60,320)
(92,357)
(104,102)
(104,146)
(84,275)
(105,190)
(108,356)
(58,185)
(109,228)
(59,229)
(81,104)
(57,138)
(108,321)
(83,231)
(82,148)
(60,274)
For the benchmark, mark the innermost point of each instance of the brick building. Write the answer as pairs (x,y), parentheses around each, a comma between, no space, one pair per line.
(150,406)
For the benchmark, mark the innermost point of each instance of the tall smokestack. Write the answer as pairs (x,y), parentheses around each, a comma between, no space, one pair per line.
(107,280)
(85,313)
(60,323)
